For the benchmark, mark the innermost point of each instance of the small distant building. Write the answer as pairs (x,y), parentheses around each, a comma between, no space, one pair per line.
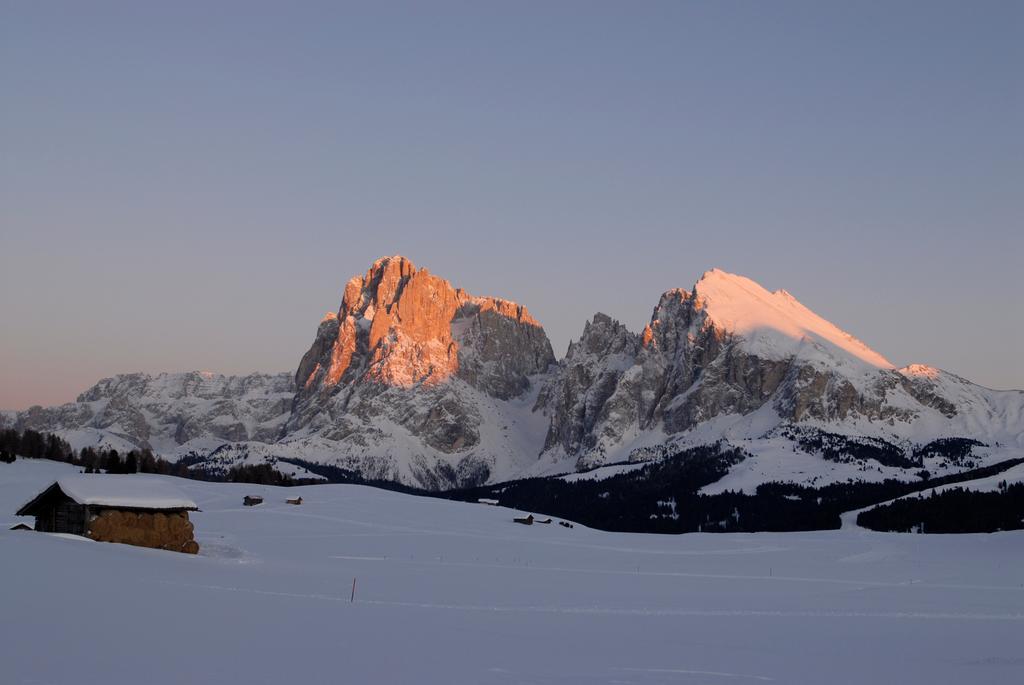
(484,500)
(547,520)
(294,500)
(130,509)
(525,520)
(252,500)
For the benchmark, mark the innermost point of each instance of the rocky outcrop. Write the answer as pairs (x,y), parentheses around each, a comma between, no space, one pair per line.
(402,327)
(499,346)
(593,396)
(399,350)
(923,384)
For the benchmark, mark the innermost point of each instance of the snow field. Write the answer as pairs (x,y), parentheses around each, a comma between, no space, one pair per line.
(451,592)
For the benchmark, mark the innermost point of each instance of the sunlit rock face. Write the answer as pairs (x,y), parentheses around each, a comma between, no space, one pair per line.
(393,327)
(406,348)
(404,327)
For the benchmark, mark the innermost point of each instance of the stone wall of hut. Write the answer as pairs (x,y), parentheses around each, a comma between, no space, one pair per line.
(161,530)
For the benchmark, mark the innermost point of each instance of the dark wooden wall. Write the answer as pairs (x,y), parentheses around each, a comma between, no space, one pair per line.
(63,517)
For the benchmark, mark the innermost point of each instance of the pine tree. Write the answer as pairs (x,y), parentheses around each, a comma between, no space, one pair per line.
(87,458)
(113,462)
(147,462)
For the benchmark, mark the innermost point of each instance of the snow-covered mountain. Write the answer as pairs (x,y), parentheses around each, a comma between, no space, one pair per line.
(170,413)
(416,381)
(730,360)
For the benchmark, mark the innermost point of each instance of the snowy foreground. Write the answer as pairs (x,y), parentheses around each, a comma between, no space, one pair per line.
(457,593)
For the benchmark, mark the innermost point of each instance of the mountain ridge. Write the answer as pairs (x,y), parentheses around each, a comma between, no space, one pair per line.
(415,380)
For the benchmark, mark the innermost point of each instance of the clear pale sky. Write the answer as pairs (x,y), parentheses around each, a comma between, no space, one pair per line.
(188,185)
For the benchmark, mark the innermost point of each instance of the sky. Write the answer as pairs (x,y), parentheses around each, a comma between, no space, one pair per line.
(189,185)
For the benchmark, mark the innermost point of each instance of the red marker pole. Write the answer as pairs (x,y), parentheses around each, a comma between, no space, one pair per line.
(353,597)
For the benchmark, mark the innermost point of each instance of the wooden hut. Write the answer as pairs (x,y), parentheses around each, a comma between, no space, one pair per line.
(252,500)
(525,520)
(294,500)
(130,509)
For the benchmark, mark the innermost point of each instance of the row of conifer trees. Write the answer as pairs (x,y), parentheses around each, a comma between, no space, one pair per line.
(38,445)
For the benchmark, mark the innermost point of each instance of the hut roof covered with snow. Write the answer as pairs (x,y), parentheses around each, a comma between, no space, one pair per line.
(115,492)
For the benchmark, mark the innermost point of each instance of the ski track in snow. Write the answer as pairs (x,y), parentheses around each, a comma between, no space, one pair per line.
(682,574)
(610,611)
(690,671)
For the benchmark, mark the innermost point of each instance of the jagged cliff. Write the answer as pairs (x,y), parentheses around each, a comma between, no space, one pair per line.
(403,333)
(419,378)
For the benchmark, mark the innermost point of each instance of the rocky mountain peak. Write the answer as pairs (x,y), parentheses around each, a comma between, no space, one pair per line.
(921,370)
(380,286)
(397,325)
(603,335)
(399,317)
(726,348)
(401,329)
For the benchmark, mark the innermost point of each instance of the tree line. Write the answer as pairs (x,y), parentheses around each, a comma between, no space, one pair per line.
(665,497)
(953,511)
(37,445)
(658,497)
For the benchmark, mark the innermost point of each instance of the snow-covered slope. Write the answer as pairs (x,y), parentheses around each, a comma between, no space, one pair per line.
(417,381)
(449,592)
(508,435)
(960,407)
(774,325)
